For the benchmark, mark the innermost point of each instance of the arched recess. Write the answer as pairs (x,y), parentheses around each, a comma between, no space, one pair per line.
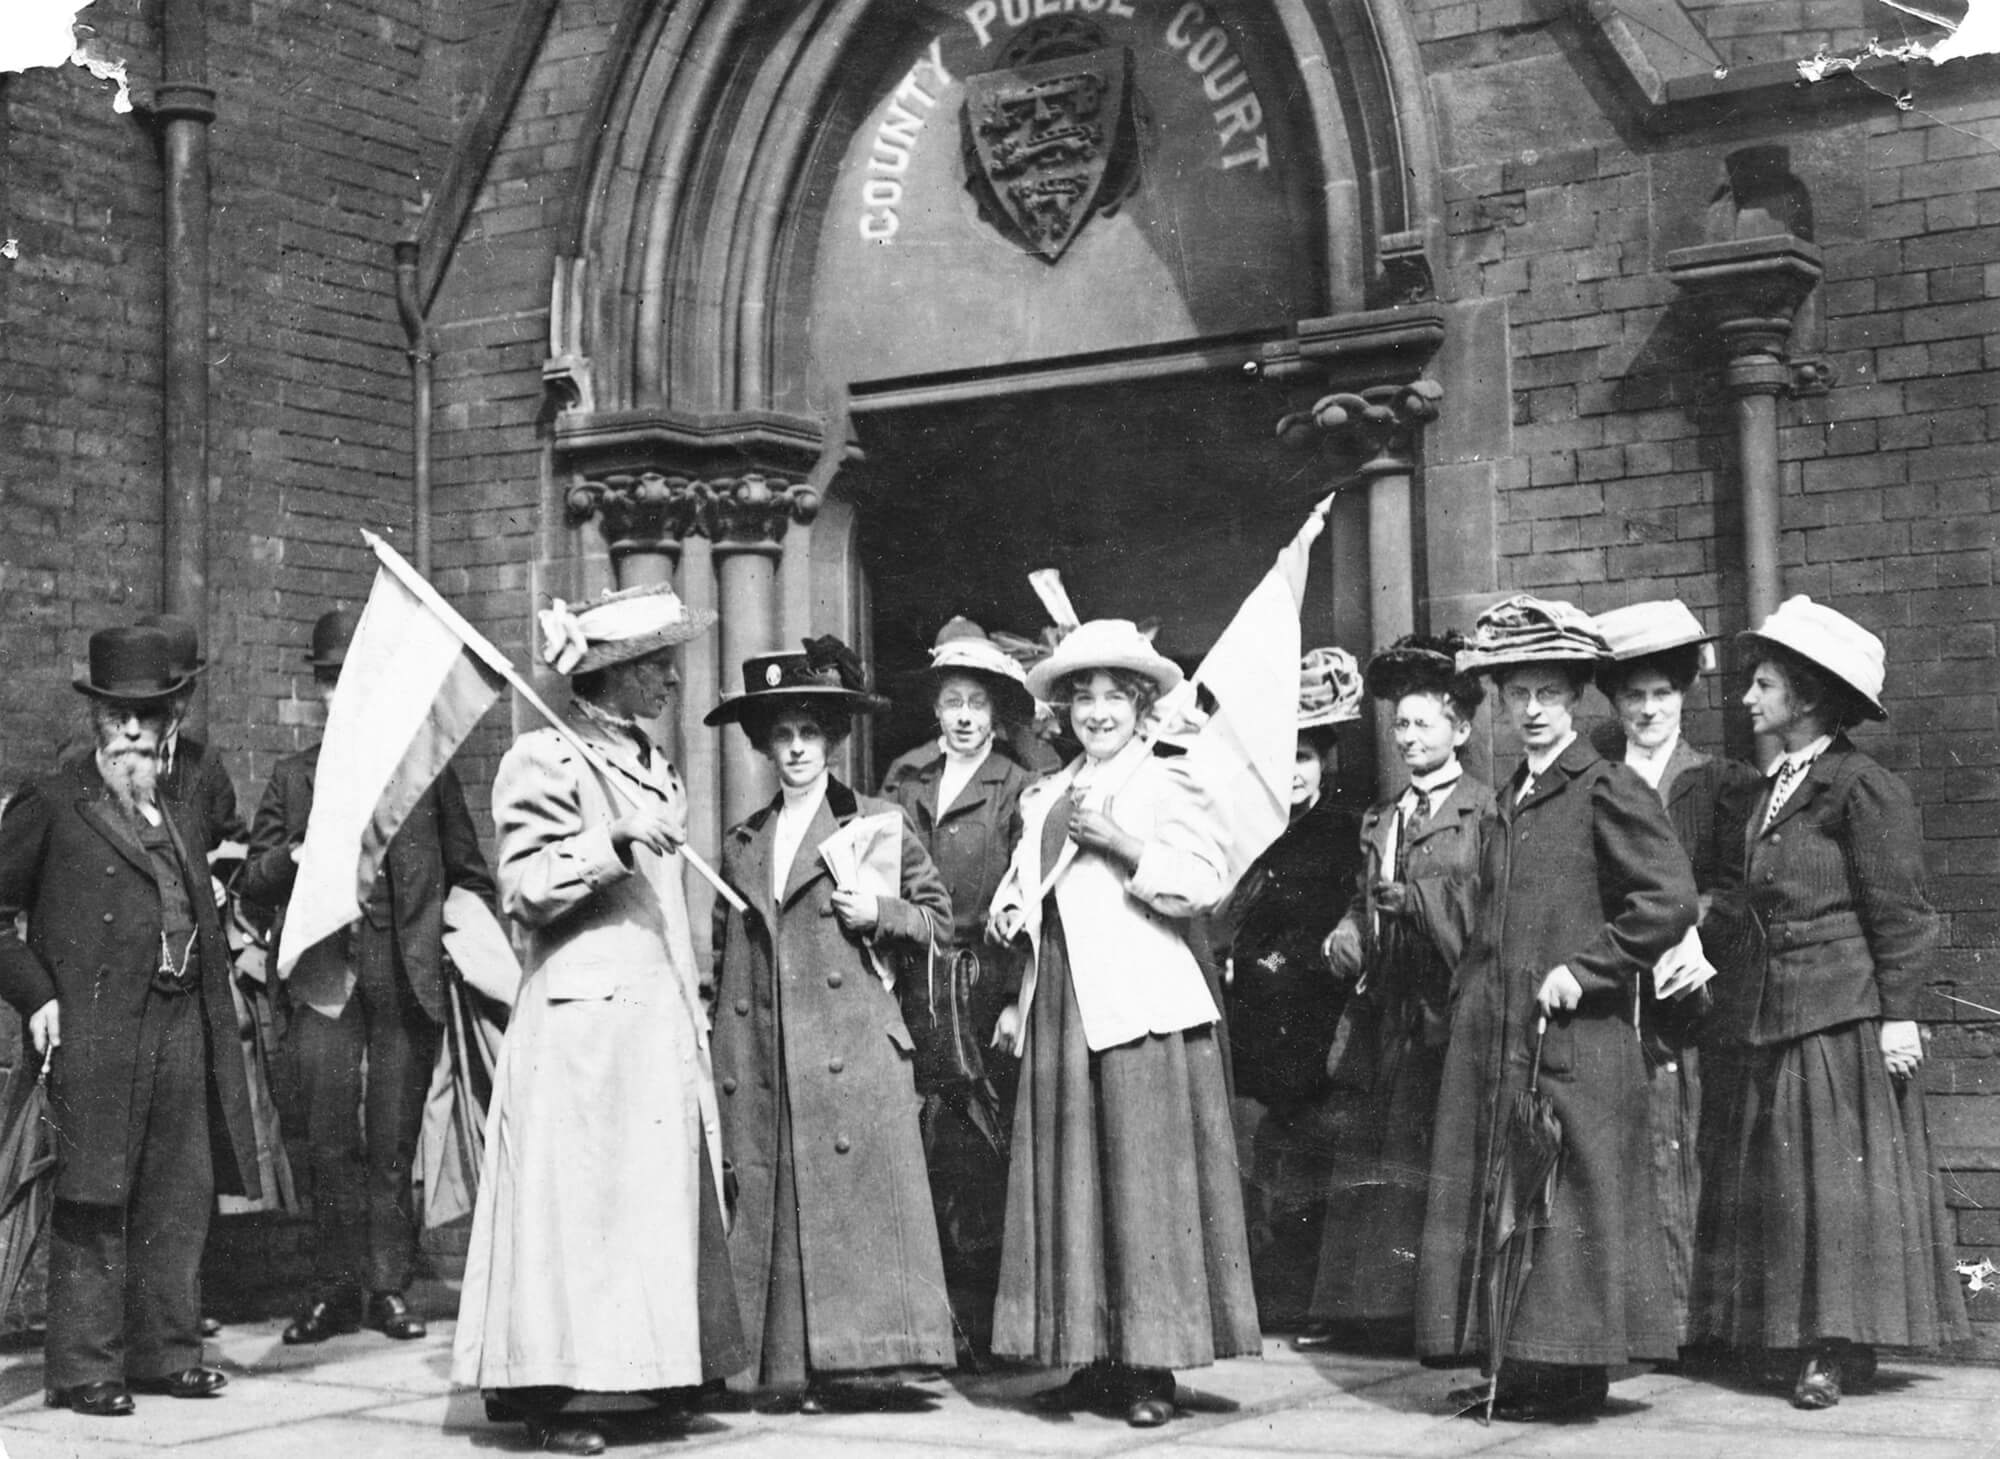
(697,402)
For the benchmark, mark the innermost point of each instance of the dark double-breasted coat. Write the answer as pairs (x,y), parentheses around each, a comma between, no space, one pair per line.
(436,849)
(1585,873)
(802,1016)
(70,860)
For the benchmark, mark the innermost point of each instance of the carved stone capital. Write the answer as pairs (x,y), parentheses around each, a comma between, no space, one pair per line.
(642,511)
(1382,421)
(1751,289)
(749,513)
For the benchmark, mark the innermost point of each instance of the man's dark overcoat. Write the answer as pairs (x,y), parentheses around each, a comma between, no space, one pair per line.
(804,1005)
(1585,873)
(72,862)
(436,849)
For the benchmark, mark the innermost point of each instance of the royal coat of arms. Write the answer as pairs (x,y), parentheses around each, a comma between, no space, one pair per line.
(1049,144)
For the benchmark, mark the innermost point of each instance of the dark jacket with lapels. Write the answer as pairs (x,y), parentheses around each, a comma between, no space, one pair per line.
(1837,883)
(72,861)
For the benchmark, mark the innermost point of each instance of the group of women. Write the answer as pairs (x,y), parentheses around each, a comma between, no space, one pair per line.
(972,1080)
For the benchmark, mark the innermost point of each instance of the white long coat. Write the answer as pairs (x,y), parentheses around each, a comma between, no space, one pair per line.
(1127,935)
(582,1267)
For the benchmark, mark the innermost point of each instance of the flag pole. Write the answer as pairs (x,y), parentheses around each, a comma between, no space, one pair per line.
(483,649)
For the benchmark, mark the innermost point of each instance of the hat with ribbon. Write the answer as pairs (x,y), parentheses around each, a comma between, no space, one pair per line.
(1829,640)
(1329,688)
(1104,643)
(1640,630)
(182,639)
(332,633)
(962,647)
(620,626)
(1529,630)
(828,674)
(1424,664)
(131,666)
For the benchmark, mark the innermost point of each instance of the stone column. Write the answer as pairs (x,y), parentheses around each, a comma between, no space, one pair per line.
(1384,423)
(745,518)
(1751,290)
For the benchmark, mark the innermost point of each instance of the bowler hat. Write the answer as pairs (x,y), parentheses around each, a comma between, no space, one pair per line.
(131,665)
(1832,641)
(331,635)
(181,635)
(829,677)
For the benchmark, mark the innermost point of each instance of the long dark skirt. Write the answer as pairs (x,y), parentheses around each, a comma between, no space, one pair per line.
(1824,1217)
(1386,1079)
(1124,1236)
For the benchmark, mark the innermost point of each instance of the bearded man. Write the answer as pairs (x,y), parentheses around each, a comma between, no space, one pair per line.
(123,981)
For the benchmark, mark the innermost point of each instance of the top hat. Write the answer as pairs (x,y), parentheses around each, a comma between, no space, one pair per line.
(962,648)
(331,635)
(132,665)
(1104,643)
(826,676)
(619,627)
(181,636)
(1829,640)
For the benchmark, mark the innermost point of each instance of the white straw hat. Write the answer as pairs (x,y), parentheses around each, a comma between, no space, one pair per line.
(1104,643)
(1832,641)
(1640,629)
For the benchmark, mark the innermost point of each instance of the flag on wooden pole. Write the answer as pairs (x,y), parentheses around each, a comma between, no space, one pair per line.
(411,690)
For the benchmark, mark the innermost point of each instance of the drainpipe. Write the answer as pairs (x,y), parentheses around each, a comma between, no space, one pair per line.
(417,330)
(184,103)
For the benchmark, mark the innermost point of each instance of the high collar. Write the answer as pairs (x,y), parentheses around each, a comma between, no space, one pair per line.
(1802,757)
(1651,765)
(1539,763)
(1445,775)
(802,799)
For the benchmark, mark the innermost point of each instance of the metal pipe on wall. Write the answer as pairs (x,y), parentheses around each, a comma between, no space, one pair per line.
(184,104)
(409,306)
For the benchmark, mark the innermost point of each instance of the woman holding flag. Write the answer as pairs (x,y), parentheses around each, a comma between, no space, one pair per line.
(597,1261)
(1124,1255)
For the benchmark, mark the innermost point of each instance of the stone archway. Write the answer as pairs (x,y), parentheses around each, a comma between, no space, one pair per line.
(772,187)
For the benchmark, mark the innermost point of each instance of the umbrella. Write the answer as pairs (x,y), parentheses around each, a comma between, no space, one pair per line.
(453,1137)
(27,1173)
(1520,1189)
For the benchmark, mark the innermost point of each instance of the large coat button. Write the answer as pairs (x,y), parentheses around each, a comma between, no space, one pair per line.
(835,1064)
(743,1006)
(841,1145)
(729,1086)
(834,980)
(107,916)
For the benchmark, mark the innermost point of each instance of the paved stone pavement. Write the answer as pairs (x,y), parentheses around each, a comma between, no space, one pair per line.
(363,1397)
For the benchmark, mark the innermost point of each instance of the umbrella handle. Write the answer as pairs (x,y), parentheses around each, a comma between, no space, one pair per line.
(1535,1075)
(48,1061)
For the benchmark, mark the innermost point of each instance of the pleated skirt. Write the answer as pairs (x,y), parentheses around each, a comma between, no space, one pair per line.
(1823,1216)
(1124,1235)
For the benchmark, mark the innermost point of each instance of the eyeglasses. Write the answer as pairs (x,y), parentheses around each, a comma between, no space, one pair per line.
(1549,696)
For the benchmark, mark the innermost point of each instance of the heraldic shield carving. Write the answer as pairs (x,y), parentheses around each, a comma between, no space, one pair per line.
(1050,143)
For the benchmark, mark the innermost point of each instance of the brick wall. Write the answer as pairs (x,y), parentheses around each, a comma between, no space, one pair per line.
(1622,484)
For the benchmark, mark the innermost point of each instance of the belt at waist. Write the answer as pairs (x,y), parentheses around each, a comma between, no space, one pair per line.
(1812,931)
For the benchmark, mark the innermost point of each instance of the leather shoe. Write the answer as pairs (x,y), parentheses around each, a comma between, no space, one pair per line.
(391,1316)
(1148,1413)
(108,1399)
(1317,1338)
(1818,1384)
(566,1436)
(188,1383)
(323,1317)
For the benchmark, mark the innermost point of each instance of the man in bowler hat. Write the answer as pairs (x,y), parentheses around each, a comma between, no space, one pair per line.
(372,995)
(123,981)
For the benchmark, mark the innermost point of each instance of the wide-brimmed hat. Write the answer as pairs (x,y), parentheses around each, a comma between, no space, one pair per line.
(1104,643)
(1329,688)
(183,640)
(1829,640)
(827,675)
(332,633)
(1529,630)
(962,647)
(1640,630)
(1424,664)
(131,665)
(628,624)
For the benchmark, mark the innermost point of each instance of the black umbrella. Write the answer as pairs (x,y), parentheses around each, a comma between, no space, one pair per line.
(1520,1191)
(27,1173)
